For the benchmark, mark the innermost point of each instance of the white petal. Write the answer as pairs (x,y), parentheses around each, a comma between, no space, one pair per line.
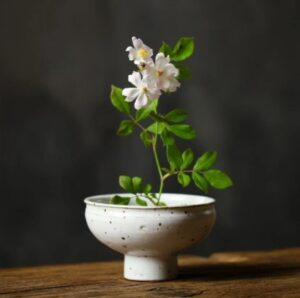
(150,51)
(171,70)
(137,42)
(173,85)
(163,83)
(135,78)
(141,101)
(154,93)
(132,54)
(128,49)
(130,93)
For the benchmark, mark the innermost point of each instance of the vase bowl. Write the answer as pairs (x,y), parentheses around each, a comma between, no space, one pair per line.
(151,237)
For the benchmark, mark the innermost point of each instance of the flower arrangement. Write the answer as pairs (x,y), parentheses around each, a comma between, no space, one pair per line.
(151,79)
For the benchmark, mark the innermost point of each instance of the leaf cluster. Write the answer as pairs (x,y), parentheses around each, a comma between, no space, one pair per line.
(139,190)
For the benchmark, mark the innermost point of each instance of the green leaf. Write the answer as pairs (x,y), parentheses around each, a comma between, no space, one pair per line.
(167,138)
(118,200)
(162,204)
(140,201)
(156,127)
(126,183)
(166,49)
(143,113)
(218,179)
(206,161)
(187,158)
(184,72)
(174,157)
(183,49)
(183,131)
(126,128)
(118,100)
(176,116)
(146,138)
(183,179)
(147,188)
(137,184)
(200,182)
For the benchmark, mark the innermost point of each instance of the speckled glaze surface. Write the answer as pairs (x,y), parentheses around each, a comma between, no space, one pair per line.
(151,237)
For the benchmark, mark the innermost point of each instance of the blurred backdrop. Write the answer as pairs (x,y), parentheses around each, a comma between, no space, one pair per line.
(57,126)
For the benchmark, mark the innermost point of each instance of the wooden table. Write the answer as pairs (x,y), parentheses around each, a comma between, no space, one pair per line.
(235,274)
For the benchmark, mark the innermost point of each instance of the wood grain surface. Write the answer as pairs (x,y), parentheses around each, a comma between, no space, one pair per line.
(231,274)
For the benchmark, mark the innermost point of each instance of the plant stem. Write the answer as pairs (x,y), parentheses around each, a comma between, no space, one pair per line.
(137,123)
(154,148)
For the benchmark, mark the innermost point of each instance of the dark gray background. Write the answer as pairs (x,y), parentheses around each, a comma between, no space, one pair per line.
(57,141)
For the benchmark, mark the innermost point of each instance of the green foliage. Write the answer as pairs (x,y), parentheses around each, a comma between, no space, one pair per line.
(162,204)
(126,128)
(200,182)
(156,127)
(126,183)
(167,138)
(118,100)
(183,49)
(184,179)
(146,138)
(137,184)
(183,131)
(118,200)
(134,185)
(147,188)
(176,116)
(174,157)
(166,49)
(206,161)
(187,158)
(218,179)
(140,201)
(145,112)
(184,72)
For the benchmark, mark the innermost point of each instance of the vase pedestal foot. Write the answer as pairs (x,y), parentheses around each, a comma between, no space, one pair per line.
(149,268)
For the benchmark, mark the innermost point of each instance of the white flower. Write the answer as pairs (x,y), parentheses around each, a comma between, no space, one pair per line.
(163,72)
(139,53)
(145,90)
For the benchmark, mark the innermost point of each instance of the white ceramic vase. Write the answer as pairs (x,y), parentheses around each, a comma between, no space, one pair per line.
(151,237)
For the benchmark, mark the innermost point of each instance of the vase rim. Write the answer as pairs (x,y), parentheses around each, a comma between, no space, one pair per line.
(198,201)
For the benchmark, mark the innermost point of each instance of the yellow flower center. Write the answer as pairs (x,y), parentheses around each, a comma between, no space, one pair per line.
(159,73)
(143,53)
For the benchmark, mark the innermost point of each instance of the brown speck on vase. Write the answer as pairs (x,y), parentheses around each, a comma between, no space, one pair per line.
(123,238)
(160,224)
